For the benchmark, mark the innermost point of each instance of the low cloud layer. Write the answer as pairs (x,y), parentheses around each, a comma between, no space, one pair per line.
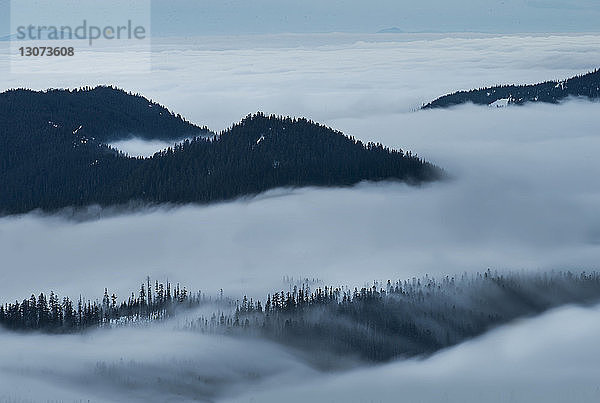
(215,81)
(137,147)
(148,363)
(524,196)
(552,358)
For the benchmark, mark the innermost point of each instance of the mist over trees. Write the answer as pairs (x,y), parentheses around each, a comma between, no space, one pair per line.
(381,322)
(53,154)
(586,85)
(407,318)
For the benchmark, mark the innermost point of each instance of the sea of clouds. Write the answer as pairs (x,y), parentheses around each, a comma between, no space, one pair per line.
(524,196)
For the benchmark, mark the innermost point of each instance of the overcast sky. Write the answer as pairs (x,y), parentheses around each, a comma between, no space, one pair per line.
(270,16)
(200,17)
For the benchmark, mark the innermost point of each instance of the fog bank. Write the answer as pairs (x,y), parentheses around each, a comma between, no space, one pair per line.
(215,81)
(552,358)
(524,196)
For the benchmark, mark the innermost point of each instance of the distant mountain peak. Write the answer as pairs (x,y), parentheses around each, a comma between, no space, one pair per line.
(391,30)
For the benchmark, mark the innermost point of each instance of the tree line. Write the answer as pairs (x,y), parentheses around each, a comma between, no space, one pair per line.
(379,322)
(407,318)
(50,313)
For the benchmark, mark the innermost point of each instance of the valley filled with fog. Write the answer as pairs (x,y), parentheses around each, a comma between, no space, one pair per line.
(523,195)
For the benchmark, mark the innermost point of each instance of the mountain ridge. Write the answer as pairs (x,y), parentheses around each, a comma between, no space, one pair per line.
(112,113)
(49,165)
(584,85)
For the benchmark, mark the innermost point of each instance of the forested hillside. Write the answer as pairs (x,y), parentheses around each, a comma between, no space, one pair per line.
(102,113)
(406,318)
(48,164)
(587,86)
